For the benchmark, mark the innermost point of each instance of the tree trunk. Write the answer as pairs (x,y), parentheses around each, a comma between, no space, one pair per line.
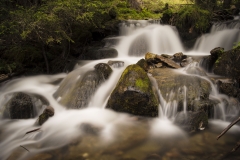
(45,58)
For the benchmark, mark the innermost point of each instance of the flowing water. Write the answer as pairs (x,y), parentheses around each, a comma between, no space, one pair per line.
(96,133)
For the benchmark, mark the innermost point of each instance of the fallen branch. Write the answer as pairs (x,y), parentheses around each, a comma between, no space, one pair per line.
(228,127)
(24,148)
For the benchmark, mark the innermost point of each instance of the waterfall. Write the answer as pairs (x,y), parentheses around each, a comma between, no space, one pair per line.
(139,37)
(223,35)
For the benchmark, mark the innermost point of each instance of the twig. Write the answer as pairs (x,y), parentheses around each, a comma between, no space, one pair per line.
(236,147)
(24,148)
(228,127)
(32,131)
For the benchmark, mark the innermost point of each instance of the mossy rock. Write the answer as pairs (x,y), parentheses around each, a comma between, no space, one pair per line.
(133,94)
(228,64)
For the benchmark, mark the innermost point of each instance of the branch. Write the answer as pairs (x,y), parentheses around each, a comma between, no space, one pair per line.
(228,127)
(236,147)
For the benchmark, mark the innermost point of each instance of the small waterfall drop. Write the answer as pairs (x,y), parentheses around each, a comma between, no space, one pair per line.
(221,35)
(139,37)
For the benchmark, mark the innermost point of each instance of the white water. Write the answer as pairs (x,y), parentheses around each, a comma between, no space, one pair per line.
(221,35)
(65,125)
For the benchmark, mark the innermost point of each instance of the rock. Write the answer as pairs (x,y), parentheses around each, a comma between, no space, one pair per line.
(178,57)
(149,55)
(47,113)
(169,62)
(228,87)
(90,129)
(133,94)
(159,58)
(186,62)
(78,95)
(171,85)
(20,106)
(143,64)
(228,64)
(192,121)
(115,64)
(208,62)
(204,105)
(103,68)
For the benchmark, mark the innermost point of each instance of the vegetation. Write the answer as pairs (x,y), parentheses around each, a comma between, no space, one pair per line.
(40,36)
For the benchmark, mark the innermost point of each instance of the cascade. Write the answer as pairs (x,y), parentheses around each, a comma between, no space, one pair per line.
(140,37)
(223,35)
(106,128)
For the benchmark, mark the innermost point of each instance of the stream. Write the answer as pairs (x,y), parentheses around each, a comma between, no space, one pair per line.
(96,133)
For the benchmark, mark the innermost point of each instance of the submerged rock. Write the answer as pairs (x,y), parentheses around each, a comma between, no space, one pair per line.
(192,121)
(20,106)
(77,95)
(133,94)
(115,64)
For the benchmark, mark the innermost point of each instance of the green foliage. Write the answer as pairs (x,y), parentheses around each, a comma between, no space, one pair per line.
(236,45)
(193,18)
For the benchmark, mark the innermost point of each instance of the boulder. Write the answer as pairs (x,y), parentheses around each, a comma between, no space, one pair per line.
(228,87)
(133,93)
(192,121)
(204,105)
(228,64)
(208,62)
(20,106)
(172,86)
(77,94)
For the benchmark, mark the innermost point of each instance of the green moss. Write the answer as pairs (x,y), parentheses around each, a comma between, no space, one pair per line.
(142,83)
(193,17)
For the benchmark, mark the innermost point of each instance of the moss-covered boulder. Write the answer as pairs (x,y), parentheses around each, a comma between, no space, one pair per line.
(20,106)
(133,93)
(228,64)
(76,94)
